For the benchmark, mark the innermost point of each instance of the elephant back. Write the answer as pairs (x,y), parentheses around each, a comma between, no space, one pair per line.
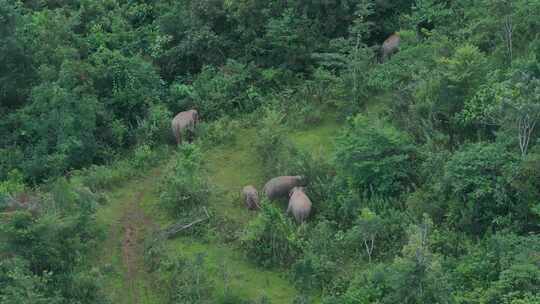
(390,45)
(280,186)
(184,120)
(299,204)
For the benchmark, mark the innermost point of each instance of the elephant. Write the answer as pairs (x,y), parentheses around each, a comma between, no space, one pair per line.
(280,186)
(184,121)
(251,197)
(299,204)
(390,46)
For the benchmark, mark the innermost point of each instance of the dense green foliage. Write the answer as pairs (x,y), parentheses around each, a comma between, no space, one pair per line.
(429,193)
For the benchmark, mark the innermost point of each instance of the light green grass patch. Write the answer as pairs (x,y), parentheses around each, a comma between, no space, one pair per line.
(109,256)
(230,168)
(230,270)
(319,139)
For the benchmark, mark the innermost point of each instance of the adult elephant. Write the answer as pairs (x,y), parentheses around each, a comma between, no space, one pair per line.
(280,186)
(182,122)
(390,46)
(299,204)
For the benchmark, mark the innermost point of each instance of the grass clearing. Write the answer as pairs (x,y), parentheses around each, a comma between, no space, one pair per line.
(319,138)
(231,272)
(229,167)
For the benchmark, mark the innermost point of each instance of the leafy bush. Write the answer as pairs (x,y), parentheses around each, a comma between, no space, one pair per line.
(106,177)
(272,145)
(375,157)
(156,127)
(478,189)
(184,186)
(228,90)
(52,246)
(220,131)
(185,280)
(13,185)
(323,256)
(143,157)
(269,240)
(19,285)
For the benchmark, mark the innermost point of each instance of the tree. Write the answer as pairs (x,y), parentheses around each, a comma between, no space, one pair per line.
(375,157)
(512,104)
(368,226)
(478,189)
(18,71)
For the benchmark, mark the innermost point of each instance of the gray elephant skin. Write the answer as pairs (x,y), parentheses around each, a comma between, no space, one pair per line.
(182,122)
(279,187)
(251,197)
(299,204)
(390,46)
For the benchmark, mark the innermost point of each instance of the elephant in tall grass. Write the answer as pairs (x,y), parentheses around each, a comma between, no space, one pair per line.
(299,204)
(390,46)
(280,186)
(251,197)
(183,122)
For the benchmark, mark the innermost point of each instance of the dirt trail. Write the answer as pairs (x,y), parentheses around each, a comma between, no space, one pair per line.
(134,223)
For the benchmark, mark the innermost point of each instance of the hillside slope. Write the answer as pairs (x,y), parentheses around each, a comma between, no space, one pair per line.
(132,216)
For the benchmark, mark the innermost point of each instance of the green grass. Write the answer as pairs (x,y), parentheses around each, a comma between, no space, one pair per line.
(229,168)
(230,270)
(109,256)
(319,138)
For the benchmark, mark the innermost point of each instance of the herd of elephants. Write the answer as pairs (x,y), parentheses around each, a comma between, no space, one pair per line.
(278,187)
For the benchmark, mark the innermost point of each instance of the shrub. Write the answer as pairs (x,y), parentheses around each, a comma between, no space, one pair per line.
(54,244)
(221,131)
(13,185)
(228,90)
(272,145)
(269,240)
(375,157)
(156,128)
(184,185)
(185,280)
(478,189)
(322,259)
(104,177)
(142,157)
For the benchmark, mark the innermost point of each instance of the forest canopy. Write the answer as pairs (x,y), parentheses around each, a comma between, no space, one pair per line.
(431,193)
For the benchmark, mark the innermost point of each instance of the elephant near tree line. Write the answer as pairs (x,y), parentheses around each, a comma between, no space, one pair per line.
(299,204)
(183,122)
(390,46)
(279,187)
(251,197)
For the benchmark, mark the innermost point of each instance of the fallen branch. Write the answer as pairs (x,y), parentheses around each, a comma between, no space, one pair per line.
(176,228)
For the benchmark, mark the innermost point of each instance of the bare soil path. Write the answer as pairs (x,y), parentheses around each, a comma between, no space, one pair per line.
(122,253)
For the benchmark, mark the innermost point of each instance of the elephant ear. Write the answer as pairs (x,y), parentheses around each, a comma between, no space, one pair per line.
(195,116)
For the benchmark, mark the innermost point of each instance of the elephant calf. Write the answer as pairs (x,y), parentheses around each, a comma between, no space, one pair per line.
(251,197)
(184,121)
(390,46)
(280,186)
(299,204)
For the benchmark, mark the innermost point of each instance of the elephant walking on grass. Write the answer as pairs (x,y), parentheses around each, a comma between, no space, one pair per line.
(182,122)
(299,204)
